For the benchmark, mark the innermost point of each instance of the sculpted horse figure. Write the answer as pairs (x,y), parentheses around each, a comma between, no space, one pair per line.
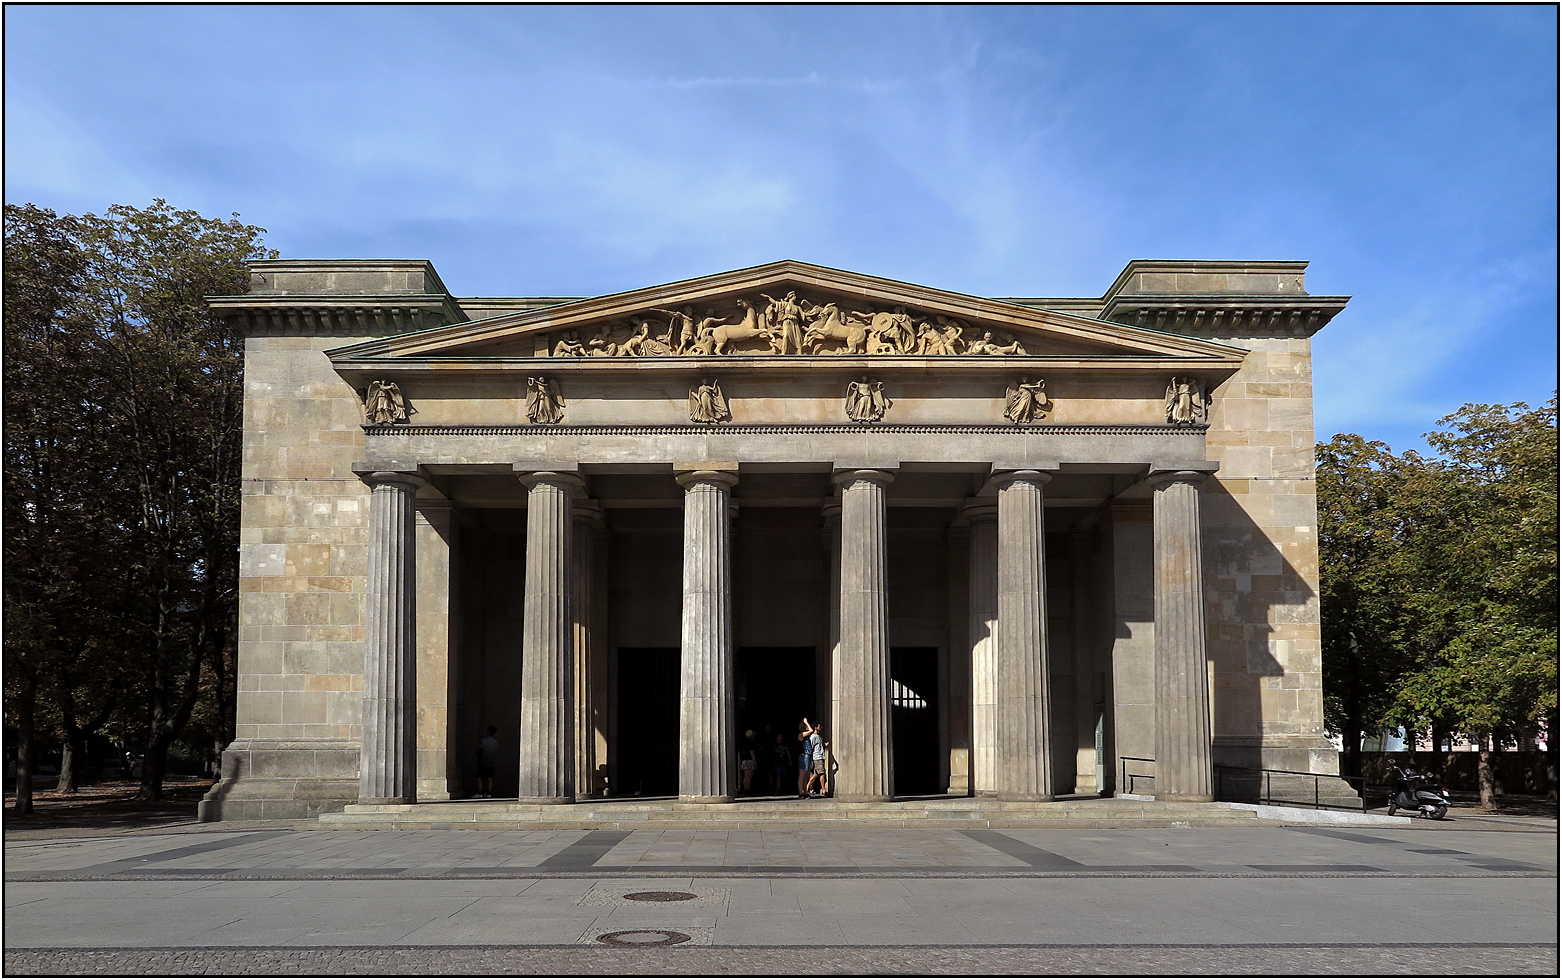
(827,323)
(723,335)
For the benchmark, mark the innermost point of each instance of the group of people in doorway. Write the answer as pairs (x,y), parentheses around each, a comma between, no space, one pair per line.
(773,755)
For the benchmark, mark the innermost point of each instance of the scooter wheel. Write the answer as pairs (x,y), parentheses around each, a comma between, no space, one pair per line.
(1391,808)
(1438,813)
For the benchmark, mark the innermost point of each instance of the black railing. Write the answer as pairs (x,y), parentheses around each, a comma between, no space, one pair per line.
(1244,784)
(1125,782)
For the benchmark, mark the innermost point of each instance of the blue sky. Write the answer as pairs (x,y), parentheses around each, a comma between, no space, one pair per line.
(1408,152)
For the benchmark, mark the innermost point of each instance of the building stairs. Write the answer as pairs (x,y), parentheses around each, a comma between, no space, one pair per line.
(959,813)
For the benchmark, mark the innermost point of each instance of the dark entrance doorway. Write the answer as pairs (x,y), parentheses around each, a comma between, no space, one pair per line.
(913,675)
(775,687)
(647,721)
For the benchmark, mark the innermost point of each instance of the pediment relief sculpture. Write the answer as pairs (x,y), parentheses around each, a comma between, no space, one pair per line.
(1187,402)
(1026,402)
(384,405)
(544,404)
(866,401)
(783,325)
(707,405)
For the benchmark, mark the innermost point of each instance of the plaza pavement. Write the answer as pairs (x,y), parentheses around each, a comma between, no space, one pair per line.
(1464,897)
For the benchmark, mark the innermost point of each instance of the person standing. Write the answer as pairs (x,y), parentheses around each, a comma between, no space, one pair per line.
(816,749)
(780,763)
(805,767)
(487,752)
(748,761)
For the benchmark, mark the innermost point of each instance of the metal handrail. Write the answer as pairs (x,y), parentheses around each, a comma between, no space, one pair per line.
(1358,783)
(1127,778)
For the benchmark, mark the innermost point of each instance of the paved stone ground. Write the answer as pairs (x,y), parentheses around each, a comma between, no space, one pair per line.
(1122,960)
(1460,896)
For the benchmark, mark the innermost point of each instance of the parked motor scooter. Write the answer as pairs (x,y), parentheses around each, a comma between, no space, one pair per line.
(1422,793)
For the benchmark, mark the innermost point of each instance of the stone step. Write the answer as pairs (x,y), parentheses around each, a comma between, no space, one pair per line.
(809,815)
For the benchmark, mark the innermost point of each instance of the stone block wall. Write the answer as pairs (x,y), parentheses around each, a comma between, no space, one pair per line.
(1261,563)
(303,543)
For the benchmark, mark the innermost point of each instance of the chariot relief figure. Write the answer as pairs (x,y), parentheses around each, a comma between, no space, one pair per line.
(723,335)
(827,323)
(569,346)
(681,325)
(1187,403)
(888,333)
(1026,402)
(866,401)
(383,404)
(544,405)
(706,403)
(785,319)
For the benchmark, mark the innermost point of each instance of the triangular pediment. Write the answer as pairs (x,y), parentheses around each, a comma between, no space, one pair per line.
(788,308)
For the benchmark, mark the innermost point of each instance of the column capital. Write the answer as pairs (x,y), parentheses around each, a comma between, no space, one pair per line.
(374,477)
(1004,479)
(831,512)
(877,475)
(715,475)
(1194,472)
(564,477)
(980,510)
(587,512)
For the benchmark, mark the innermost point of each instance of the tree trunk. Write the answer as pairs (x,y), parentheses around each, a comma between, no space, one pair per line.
(27,699)
(1488,776)
(67,781)
(1351,744)
(154,765)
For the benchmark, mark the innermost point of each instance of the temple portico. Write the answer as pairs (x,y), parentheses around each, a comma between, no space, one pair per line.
(1006,549)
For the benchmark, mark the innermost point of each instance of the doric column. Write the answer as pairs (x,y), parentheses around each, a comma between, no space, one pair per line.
(1183,769)
(587,519)
(439,742)
(1024,763)
(707,750)
(832,555)
(1086,690)
(862,744)
(983,633)
(387,764)
(547,741)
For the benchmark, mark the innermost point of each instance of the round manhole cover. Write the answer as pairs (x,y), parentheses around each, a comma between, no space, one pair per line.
(659,896)
(643,937)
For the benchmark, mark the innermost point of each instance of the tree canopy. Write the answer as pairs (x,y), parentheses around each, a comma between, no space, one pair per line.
(1439,583)
(123,406)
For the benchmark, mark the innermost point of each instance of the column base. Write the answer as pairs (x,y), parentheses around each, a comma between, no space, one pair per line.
(385,800)
(1026,798)
(844,798)
(704,799)
(1185,797)
(546,800)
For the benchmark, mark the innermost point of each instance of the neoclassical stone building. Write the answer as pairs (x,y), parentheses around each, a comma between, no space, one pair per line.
(998,546)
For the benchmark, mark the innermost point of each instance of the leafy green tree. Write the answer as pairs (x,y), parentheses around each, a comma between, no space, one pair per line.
(126,399)
(1439,581)
(1485,600)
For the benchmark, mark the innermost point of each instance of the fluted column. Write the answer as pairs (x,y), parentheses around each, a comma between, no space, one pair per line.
(707,750)
(1086,689)
(1183,767)
(587,519)
(547,740)
(387,763)
(831,534)
(1024,726)
(862,743)
(983,633)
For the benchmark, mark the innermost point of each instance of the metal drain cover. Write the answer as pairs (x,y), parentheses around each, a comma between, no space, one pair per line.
(643,937)
(659,896)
